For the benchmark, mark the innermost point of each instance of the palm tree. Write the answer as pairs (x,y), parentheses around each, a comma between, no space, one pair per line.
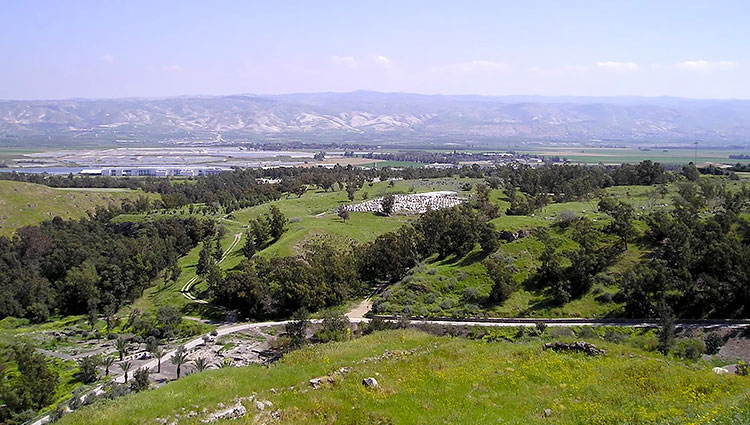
(107,363)
(158,352)
(125,366)
(227,362)
(179,358)
(121,345)
(200,364)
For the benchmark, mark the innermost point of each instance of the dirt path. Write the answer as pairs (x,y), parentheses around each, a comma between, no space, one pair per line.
(189,284)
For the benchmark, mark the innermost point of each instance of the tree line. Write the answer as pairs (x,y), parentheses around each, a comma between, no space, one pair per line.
(92,265)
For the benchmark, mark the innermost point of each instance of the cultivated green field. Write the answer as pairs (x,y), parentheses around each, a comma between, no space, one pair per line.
(24,204)
(429,380)
(586,155)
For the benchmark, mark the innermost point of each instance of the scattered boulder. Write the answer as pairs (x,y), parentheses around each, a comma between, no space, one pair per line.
(547,412)
(720,370)
(232,412)
(371,383)
(315,382)
(576,347)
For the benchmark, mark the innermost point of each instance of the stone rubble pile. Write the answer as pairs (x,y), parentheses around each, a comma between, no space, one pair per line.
(576,347)
(411,204)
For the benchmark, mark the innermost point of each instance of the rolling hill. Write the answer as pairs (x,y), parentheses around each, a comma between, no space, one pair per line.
(372,116)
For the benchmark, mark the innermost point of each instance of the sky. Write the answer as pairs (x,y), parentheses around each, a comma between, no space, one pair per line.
(103,49)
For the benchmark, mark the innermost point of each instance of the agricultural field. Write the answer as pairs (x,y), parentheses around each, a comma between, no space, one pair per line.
(616,156)
(24,204)
(426,379)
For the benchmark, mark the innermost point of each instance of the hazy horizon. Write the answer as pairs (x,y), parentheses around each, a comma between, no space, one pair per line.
(138,49)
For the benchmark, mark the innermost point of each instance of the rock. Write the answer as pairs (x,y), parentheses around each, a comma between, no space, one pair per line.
(370,383)
(547,412)
(315,382)
(578,347)
(263,405)
(720,370)
(232,412)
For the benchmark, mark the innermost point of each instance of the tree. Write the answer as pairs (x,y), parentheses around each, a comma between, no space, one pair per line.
(343,213)
(140,380)
(483,202)
(93,313)
(276,222)
(159,353)
(300,190)
(351,189)
(36,381)
(179,359)
(204,259)
(218,252)
(334,327)
(200,364)
(691,172)
(126,366)
(622,216)
(667,329)
(488,238)
(501,272)
(121,345)
(107,362)
(87,372)
(248,250)
(552,275)
(169,318)
(109,315)
(259,228)
(296,329)
(387,203)
(174,272)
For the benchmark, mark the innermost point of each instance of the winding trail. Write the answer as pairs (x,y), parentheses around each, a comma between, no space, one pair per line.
(189,284)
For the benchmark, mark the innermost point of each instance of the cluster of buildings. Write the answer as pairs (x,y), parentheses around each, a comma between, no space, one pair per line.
(154,172)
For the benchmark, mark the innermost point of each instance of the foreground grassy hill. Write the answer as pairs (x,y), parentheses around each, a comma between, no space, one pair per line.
(24,204)
(425,379)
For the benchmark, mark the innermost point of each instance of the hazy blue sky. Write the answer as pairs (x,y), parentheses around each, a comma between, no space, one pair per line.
(60,49)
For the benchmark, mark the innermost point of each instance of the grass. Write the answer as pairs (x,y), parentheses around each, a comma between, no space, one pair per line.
(25,204)
(457,287)
(449,380)
(311,215)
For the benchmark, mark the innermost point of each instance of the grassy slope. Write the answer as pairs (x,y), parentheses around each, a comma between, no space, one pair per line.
(439,288)
(311,215)
(23,204)
(451,381)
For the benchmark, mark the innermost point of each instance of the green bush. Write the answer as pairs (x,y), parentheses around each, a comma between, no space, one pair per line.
(713,342)
(647,342)
(690,349)
(587,333)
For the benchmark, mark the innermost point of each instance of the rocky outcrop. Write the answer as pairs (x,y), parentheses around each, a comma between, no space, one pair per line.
(576,347)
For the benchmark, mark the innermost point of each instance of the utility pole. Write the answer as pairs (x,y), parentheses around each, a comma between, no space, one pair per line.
(695,159)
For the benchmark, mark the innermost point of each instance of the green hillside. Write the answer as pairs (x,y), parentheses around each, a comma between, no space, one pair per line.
(425,379)
(24,204)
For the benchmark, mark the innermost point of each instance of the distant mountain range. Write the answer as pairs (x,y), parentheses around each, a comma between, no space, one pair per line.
(382,116)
